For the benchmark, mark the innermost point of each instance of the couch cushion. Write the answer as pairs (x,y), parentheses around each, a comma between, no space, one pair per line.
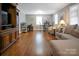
(75,33)
(65,36)
(68,36)
(68,29)
(77,28)
(60,36)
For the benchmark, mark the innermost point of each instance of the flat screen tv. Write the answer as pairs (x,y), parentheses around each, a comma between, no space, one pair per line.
(4,18)
(6,22)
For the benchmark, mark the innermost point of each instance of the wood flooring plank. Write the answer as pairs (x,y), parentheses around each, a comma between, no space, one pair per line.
(31,44)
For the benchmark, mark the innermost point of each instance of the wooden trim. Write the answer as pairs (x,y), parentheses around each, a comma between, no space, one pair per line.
(8,46)
(0,16)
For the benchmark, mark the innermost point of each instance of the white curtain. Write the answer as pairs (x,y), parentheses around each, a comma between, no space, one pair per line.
(56,18)
(74,19)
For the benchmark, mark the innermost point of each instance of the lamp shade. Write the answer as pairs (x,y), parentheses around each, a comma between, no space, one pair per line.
(62,22)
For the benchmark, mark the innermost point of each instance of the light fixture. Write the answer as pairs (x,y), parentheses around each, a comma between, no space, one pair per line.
(62,22)
(61,25)
(39,12)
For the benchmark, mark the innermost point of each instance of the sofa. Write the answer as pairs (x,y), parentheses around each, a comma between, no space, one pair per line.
(65,47)
(70,32)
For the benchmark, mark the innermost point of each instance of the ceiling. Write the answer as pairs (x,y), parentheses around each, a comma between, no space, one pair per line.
(41,8)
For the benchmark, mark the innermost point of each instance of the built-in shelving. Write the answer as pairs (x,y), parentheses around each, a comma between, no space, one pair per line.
(8,25)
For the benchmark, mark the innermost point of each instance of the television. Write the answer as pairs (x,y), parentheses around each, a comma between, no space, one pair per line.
(6,20)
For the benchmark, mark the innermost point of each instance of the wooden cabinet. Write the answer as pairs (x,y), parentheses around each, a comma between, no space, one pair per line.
(8,37)
(9,32)
(0,16)
(5,37)
(14,34)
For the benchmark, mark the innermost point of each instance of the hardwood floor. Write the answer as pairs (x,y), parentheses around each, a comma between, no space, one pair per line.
(34,43)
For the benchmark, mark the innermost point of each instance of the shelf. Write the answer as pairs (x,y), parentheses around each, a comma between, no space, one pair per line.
(9,32)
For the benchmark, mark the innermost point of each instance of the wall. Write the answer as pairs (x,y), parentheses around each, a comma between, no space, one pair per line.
(64,14)
(31,19)
(21,16)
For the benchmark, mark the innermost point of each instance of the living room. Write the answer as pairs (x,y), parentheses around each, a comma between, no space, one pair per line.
(39,29)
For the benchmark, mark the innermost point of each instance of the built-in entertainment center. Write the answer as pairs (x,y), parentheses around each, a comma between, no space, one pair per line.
(8,25)
(7,15)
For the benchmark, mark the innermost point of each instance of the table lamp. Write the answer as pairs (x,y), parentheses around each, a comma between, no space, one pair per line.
(62,24)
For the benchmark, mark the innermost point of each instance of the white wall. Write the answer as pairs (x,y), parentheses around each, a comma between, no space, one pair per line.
(31,19)
(21,16)
(65,12)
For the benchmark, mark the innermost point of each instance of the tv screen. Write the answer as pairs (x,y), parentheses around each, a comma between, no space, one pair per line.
(4,18)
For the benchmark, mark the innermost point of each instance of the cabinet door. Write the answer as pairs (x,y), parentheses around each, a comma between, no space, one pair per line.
(13,33)
(0,16)
(17,33)
(0,42)
(5,39)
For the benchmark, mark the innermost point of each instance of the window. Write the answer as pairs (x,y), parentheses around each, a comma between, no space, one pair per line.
(74,15)
(38,20)
(56,18)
